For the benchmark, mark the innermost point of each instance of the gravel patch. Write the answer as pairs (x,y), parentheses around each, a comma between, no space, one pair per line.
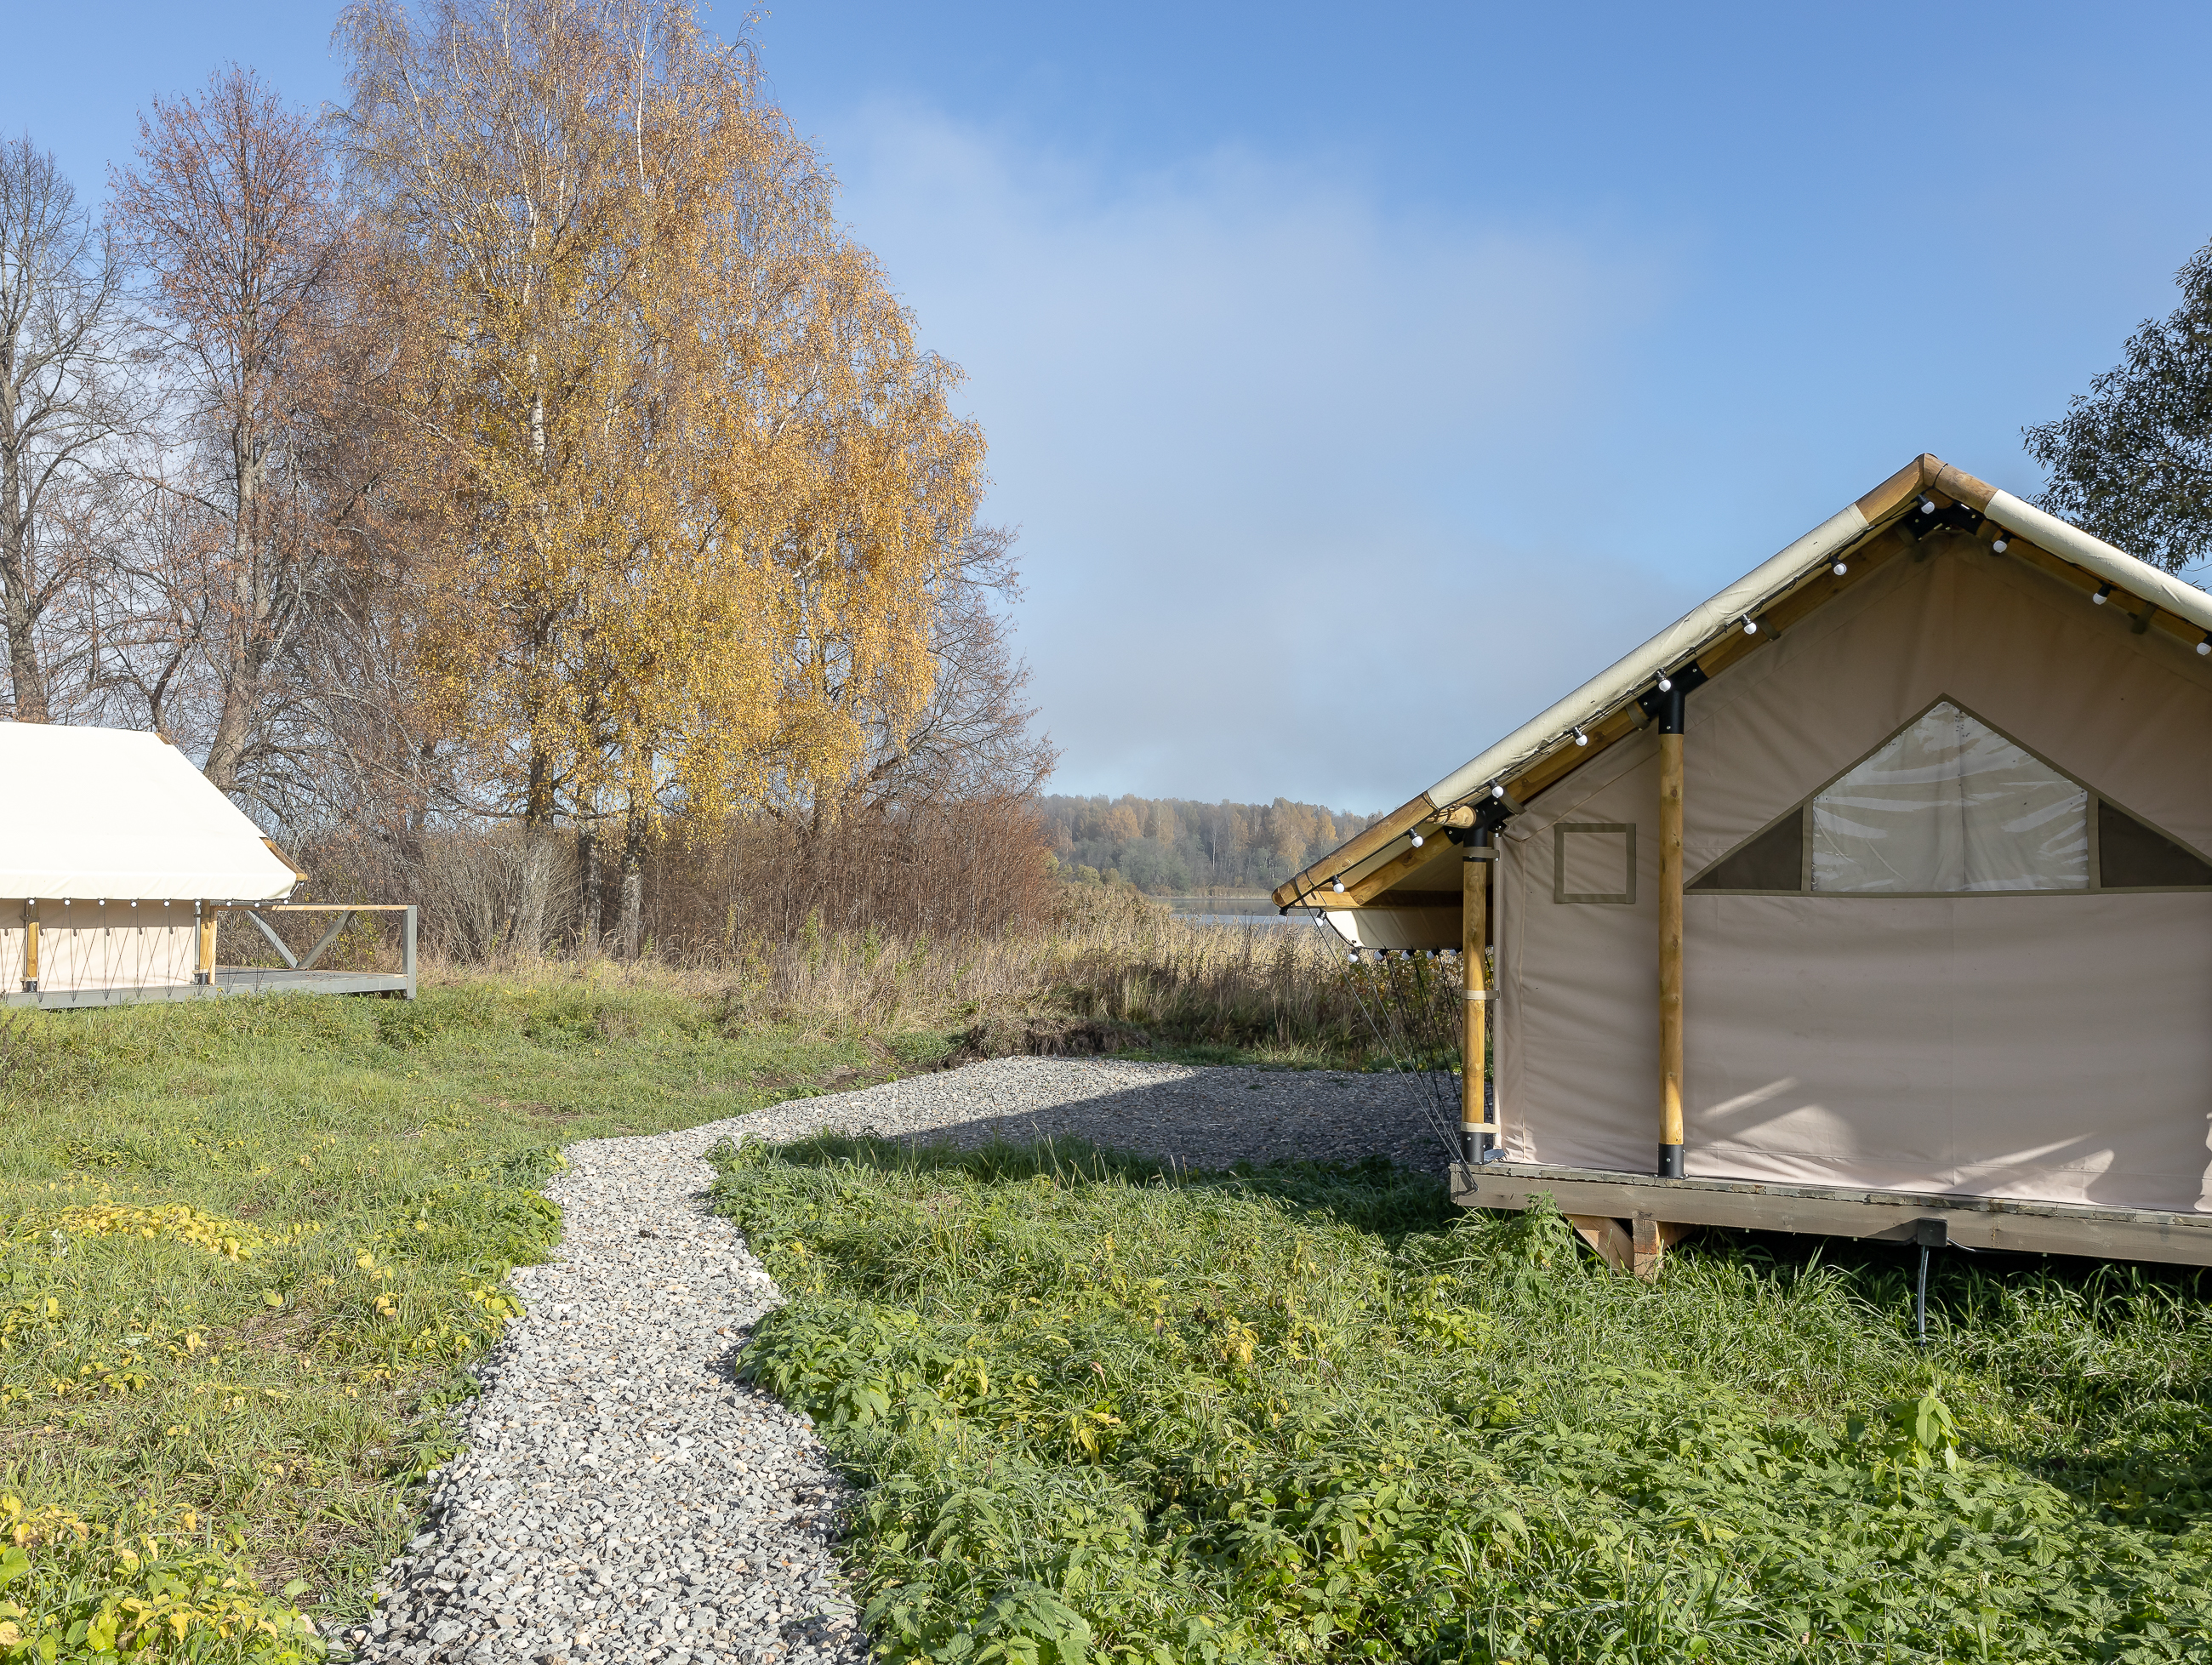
(621,1498)
(1198,1116)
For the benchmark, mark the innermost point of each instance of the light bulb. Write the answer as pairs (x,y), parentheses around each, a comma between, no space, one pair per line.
(1840,569)
(2104,592)
(1750,628)
(1664,684)
(2205,646)
(1581,738)
(1497,791)
(1417,841)
(1338,887)
(1928,505)
(2000,544)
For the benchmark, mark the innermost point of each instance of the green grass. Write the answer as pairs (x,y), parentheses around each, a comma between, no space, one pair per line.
(1301,1413)
(247,1246)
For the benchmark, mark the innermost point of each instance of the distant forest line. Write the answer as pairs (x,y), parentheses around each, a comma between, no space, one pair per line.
(1170,846)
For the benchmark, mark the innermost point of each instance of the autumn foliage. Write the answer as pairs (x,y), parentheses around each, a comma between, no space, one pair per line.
(527,454)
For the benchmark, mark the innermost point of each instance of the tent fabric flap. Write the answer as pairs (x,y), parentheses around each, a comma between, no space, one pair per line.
(103,814)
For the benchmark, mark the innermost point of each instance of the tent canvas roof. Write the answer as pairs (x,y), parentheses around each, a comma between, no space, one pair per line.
(1779,592)
(114,813)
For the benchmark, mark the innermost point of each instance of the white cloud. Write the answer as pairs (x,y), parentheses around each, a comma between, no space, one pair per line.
(1296,473)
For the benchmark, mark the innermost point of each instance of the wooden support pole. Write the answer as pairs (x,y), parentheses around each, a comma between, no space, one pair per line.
(205,971)
(1649,1238)
(30,948)
(1477,1131)
(1670,936)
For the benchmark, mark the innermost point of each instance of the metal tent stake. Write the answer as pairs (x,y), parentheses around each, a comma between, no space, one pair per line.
(1932,1233)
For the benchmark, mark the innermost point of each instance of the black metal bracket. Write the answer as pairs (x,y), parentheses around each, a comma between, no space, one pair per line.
(1490,815)
(1665,706)
(1957,518)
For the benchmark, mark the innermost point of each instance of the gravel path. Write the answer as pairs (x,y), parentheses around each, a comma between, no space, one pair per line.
(621,1498)
(1201,1117)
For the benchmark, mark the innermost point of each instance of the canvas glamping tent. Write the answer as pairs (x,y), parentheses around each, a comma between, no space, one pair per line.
(1872,898)
(116,856)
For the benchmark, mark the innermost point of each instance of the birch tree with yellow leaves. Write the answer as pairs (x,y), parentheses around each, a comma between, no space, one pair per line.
(689,493)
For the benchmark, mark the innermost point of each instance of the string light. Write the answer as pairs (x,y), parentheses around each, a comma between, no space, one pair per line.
(1417,841)
(2204,647)
(1928,505)
(2001,542)
(1496,790)
(1338,887)
(1749,628)
(2103,593)
(1840,568)
(1581,738)
(1664,684)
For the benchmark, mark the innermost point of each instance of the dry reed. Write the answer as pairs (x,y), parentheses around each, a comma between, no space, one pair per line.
(1107,971)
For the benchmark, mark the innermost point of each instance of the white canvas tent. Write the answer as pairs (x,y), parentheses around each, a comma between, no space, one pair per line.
(113,849)
(1928,916)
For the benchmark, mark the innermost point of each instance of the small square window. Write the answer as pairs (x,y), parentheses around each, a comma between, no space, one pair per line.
(1593,861)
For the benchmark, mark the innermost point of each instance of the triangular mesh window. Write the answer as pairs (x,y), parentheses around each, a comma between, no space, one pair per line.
(2132,856)
(1775,860)
(1949,805)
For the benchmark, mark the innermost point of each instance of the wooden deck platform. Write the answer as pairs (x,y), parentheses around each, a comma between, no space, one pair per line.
(229,979)
(2041,1228)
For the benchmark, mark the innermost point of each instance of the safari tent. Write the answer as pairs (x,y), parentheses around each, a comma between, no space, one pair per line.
(116,857)
(1874,896)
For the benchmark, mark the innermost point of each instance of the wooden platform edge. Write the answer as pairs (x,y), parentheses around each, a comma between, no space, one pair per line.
(2037,1228)
(229,983)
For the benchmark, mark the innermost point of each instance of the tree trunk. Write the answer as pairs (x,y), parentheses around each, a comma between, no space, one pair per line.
(526,933)
(587,862)
(631,929)
(26,680)
(533,893)
(240,669)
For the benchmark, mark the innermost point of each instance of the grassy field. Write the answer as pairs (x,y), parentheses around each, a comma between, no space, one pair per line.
(1308,1414)
(248,1246)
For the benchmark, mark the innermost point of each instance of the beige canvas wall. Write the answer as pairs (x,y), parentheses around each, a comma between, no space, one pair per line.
(91,944)
(2053,1046)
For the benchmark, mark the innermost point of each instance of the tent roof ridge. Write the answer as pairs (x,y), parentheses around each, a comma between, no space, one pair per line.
(1926,476)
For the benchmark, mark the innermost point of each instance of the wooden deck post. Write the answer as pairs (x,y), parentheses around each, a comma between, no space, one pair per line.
(31,947)
(1477,1131)
(1670,930)
(205,971)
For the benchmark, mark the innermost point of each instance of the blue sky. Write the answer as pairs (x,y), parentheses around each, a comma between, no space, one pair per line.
(1362,382)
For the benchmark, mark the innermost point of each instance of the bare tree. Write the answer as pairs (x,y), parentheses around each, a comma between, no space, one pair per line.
(972,739)
(62,331)
(232,214)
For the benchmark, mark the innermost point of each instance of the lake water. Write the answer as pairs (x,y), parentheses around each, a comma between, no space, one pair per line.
(1250,912)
